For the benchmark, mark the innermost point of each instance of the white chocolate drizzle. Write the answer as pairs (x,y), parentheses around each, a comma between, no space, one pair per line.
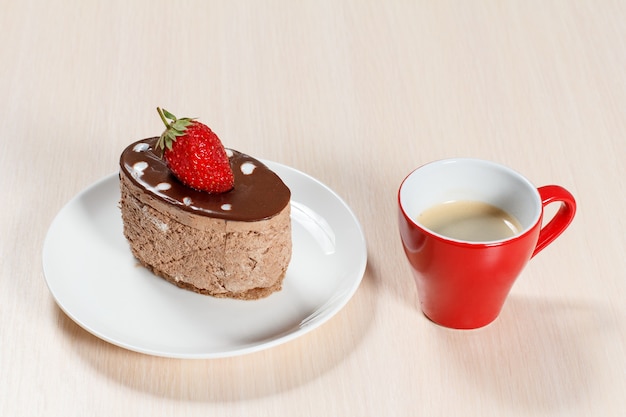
(247,168)
(141,147)
(162,186)
(138,168)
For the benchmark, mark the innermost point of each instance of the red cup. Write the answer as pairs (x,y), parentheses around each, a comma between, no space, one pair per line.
(464,284)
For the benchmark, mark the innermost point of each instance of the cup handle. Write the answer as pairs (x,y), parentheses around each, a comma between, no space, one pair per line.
(563,217)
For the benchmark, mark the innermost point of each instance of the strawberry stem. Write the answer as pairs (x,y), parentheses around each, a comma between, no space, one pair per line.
(162,117)
(173,129)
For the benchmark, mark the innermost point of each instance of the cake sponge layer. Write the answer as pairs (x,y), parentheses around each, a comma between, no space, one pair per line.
(217,257)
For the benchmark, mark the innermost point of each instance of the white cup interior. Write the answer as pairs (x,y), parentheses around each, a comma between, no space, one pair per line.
(474,180)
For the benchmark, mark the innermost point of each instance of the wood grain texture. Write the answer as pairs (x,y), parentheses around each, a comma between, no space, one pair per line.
(356,93)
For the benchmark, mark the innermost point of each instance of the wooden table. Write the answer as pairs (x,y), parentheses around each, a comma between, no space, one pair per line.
(356,94)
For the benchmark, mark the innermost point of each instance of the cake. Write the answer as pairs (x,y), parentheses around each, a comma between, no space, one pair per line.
(234,244)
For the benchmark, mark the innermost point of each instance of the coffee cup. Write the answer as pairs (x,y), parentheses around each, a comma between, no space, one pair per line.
(468,228)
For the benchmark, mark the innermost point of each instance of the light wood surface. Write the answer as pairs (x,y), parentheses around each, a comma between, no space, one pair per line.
(357,94)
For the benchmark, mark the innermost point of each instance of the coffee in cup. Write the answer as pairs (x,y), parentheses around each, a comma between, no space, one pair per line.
(473,221)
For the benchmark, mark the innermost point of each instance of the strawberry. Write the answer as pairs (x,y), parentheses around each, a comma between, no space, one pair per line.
(195,154)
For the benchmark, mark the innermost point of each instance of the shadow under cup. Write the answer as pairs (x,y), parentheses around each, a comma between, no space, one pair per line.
(463,284)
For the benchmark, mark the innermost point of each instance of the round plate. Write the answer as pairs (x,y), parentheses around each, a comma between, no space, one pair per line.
(96,281)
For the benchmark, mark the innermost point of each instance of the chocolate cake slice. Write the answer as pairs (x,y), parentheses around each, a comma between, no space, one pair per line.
(235,244)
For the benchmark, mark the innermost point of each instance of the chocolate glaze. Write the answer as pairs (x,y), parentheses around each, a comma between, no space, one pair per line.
(257,195)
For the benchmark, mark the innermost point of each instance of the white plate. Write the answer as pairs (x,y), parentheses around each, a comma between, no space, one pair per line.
(96,281)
